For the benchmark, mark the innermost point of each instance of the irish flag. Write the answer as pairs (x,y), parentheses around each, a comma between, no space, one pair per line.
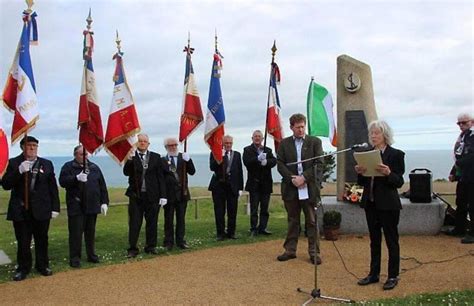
(320,113)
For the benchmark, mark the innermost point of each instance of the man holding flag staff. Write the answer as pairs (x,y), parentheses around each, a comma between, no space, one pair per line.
(31,209)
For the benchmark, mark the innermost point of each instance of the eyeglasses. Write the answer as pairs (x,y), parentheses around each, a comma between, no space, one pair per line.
(462,122)
(172,145)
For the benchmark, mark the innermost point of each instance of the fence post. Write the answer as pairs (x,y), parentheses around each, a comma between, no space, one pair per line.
(195,209)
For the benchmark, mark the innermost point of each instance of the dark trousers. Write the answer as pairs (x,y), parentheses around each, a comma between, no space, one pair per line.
(464,205)
(257,199)
(170,233)
(81,225)
(293,208)
(24,231)
(225,200)
(137,209)
(386,220)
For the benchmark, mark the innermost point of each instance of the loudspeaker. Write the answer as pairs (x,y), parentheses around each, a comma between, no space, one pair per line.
(421,186)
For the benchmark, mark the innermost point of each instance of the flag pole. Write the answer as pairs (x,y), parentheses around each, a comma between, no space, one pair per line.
(274,49)
(217,52)
(183,174)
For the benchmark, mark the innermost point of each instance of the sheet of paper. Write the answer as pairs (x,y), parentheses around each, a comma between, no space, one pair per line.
(370,160)
(303,192)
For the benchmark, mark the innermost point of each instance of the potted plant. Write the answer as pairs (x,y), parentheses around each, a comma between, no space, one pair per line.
(331,224)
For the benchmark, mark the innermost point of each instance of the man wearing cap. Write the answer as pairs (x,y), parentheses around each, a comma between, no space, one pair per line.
(463,173)
(146,192)
(86,196)
(31,208)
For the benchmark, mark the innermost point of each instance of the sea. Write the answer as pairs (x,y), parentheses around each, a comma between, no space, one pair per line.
(439,162)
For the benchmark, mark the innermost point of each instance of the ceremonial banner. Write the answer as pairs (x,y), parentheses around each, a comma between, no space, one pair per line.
(274,108)
(320,113)
(3,149)
(91,134)
(123,122)
(191,115)
(215,117)
(19,94)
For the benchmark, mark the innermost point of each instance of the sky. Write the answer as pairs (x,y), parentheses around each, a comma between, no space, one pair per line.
(420,53)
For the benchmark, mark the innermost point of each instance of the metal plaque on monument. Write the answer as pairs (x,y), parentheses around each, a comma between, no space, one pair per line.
(355,109)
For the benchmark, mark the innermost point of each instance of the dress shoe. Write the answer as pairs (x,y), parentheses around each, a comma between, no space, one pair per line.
(467,239)
(265,232)
(19,276)
(390,283)
(370,279)
(75,264)
(93,259)
(183,246)
(285,257)
(45,272)
(151,251)
(220,238)
(318,260)
(132,253)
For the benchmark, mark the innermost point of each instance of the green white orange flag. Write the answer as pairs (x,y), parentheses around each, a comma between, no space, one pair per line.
(320,113)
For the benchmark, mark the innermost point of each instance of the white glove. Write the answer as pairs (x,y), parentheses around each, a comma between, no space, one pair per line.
(24,166)
(103,209)
(186,156)
(263,162)
(82,177)
(163,202)
(240,193)
(261,156)
(54,214)
(223,152)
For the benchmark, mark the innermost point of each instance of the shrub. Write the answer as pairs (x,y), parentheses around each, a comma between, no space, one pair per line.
(332,218)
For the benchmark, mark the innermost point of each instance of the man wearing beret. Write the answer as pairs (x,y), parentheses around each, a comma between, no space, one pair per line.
(33,202)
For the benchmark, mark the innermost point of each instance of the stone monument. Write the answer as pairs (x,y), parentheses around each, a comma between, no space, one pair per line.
(355,109)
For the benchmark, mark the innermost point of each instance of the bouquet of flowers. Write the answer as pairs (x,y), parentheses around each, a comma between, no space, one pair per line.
(353,193)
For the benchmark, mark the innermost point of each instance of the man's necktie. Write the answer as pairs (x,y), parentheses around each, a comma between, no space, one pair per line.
(141,155)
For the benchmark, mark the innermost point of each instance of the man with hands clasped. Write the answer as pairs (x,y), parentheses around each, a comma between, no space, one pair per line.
(86,196)
(30,210)
(146,192)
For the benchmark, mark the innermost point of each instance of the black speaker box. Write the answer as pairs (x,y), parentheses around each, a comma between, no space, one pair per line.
(421,185)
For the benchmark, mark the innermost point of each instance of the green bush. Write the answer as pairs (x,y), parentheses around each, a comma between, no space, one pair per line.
(332,218)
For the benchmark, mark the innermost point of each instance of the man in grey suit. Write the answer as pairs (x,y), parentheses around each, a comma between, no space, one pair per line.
(300,187)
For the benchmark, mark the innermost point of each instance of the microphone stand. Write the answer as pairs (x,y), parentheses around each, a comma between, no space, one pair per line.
(316,292)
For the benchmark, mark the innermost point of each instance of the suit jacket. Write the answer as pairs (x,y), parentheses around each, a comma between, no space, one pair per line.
(42,200)
(259,177)
(96,188)
(177,190)
(235,179)
(154,177)
(385,187)
(287,153)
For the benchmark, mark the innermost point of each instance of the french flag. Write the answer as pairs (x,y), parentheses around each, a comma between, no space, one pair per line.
(274,109)
(123,122)
(215,117)
(19,94)
(191,116)
(89,122)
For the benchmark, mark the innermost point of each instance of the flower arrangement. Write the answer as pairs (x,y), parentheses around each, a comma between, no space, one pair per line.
(353,193)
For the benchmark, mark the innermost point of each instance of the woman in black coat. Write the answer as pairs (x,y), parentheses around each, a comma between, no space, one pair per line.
(382,205)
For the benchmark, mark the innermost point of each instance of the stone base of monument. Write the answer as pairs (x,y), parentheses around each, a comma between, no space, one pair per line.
(4,259)
(415,218)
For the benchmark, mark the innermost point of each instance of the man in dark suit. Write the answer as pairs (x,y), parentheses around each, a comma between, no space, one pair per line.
(86,196)
(146,192)
(226,185)
(382,203)
(31,211)
(259,162)
(300,186)
(177,166)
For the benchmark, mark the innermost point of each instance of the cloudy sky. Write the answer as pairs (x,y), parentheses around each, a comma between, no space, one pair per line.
(420,52)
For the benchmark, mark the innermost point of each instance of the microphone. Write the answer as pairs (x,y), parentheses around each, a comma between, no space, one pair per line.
(364,145)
